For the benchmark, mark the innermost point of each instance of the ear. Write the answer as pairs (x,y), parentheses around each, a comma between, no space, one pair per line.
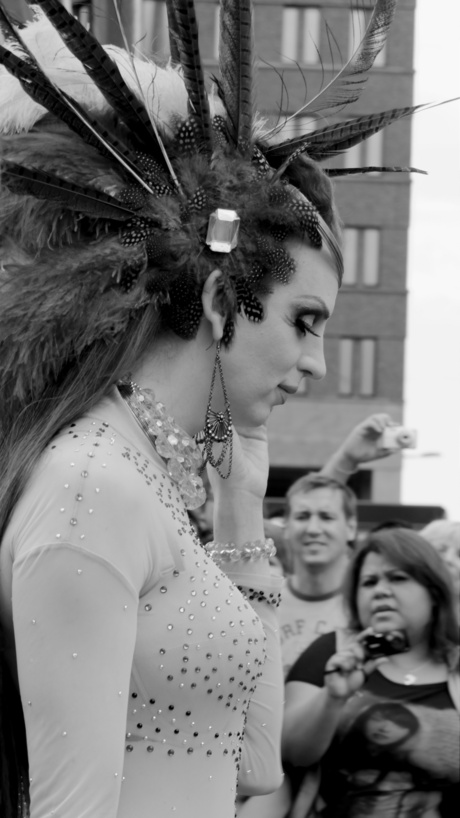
(210,303)
(352,529)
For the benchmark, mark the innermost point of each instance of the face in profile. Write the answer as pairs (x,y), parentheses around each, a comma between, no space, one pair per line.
(266,362)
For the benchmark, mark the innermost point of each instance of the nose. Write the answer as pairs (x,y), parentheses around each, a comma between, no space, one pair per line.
(312,363)
(382,588)
(312,524)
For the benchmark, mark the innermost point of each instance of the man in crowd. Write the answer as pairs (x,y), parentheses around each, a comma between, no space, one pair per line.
(320,528)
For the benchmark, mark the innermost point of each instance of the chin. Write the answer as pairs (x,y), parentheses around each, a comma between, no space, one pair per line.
(251,417)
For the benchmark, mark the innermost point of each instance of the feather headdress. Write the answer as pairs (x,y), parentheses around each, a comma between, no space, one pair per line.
(111,166)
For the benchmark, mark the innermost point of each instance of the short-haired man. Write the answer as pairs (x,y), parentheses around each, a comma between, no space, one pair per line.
(320,527)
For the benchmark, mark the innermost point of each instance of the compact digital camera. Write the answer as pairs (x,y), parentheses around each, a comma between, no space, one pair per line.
(384,644)
(398,437)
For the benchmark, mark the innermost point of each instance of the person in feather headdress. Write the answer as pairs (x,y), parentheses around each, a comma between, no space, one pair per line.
(154,235)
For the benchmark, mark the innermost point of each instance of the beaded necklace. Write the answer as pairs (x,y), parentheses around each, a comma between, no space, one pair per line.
(179,451)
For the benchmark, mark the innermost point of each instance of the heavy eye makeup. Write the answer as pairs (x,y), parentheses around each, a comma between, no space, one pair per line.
(305,322)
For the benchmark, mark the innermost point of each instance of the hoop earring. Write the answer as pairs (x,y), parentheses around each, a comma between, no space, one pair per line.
(218,426)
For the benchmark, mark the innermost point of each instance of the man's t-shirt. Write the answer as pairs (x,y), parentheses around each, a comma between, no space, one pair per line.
(396,753)
(303,618)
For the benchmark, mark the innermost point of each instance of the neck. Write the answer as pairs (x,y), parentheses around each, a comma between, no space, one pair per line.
(179,374)
(321,581)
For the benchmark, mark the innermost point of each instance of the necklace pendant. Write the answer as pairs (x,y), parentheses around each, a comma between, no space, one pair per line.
(409,679)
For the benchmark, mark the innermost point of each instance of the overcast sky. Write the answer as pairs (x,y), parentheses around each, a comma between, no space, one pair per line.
(431,474)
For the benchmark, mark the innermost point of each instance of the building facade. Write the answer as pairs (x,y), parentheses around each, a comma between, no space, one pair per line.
(299,46)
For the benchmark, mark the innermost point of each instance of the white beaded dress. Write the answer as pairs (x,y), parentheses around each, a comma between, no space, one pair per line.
(141,665)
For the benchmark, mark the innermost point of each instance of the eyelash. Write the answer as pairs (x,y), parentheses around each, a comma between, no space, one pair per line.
(394,578)
(305,328)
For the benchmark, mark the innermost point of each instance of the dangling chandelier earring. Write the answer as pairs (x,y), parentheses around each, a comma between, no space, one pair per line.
(218,426)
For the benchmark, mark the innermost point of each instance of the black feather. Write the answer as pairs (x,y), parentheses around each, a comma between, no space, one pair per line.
(36,84)
(236,68)
(42,185)
(334,139)
(185,35)
(173,34)
(105,74)
(334,172)
(347,85)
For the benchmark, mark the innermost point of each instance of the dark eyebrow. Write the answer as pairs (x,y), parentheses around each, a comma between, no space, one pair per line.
(315,306)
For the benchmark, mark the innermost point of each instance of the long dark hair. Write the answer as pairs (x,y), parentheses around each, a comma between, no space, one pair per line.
(23,439)
(413,554)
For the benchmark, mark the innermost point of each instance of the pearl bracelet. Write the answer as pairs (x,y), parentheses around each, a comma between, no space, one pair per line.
(249,551)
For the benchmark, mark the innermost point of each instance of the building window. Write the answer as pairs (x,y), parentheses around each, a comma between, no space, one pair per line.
(368,153)
(370,257)
(300,34)
(358,22)
(82,11)
(216,42)
(350,256)
(361,254)
(357,366)
(305,125)
(346,366)
(366,366)
(149,27)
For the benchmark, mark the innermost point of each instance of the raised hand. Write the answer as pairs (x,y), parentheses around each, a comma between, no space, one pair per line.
(347,670)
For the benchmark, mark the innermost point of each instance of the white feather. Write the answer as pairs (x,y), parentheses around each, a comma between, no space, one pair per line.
(163,89)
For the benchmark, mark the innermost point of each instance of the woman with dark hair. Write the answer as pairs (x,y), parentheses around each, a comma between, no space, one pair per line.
(352,711)
(169,264)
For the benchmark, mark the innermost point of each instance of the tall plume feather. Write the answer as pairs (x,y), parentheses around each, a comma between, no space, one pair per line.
(104,73)
(236,67)
(57,102)
(43,185)
(185,36)
(346,87)
(334,172)
(173,33)
(333,140)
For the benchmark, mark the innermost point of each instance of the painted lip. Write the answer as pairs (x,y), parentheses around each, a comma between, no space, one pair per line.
(284,392)
(291,390)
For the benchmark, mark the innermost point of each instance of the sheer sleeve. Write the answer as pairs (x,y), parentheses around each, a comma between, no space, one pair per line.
(261,769)
(75,628)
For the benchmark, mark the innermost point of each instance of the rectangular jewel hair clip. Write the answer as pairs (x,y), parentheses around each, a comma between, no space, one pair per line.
(223,228)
